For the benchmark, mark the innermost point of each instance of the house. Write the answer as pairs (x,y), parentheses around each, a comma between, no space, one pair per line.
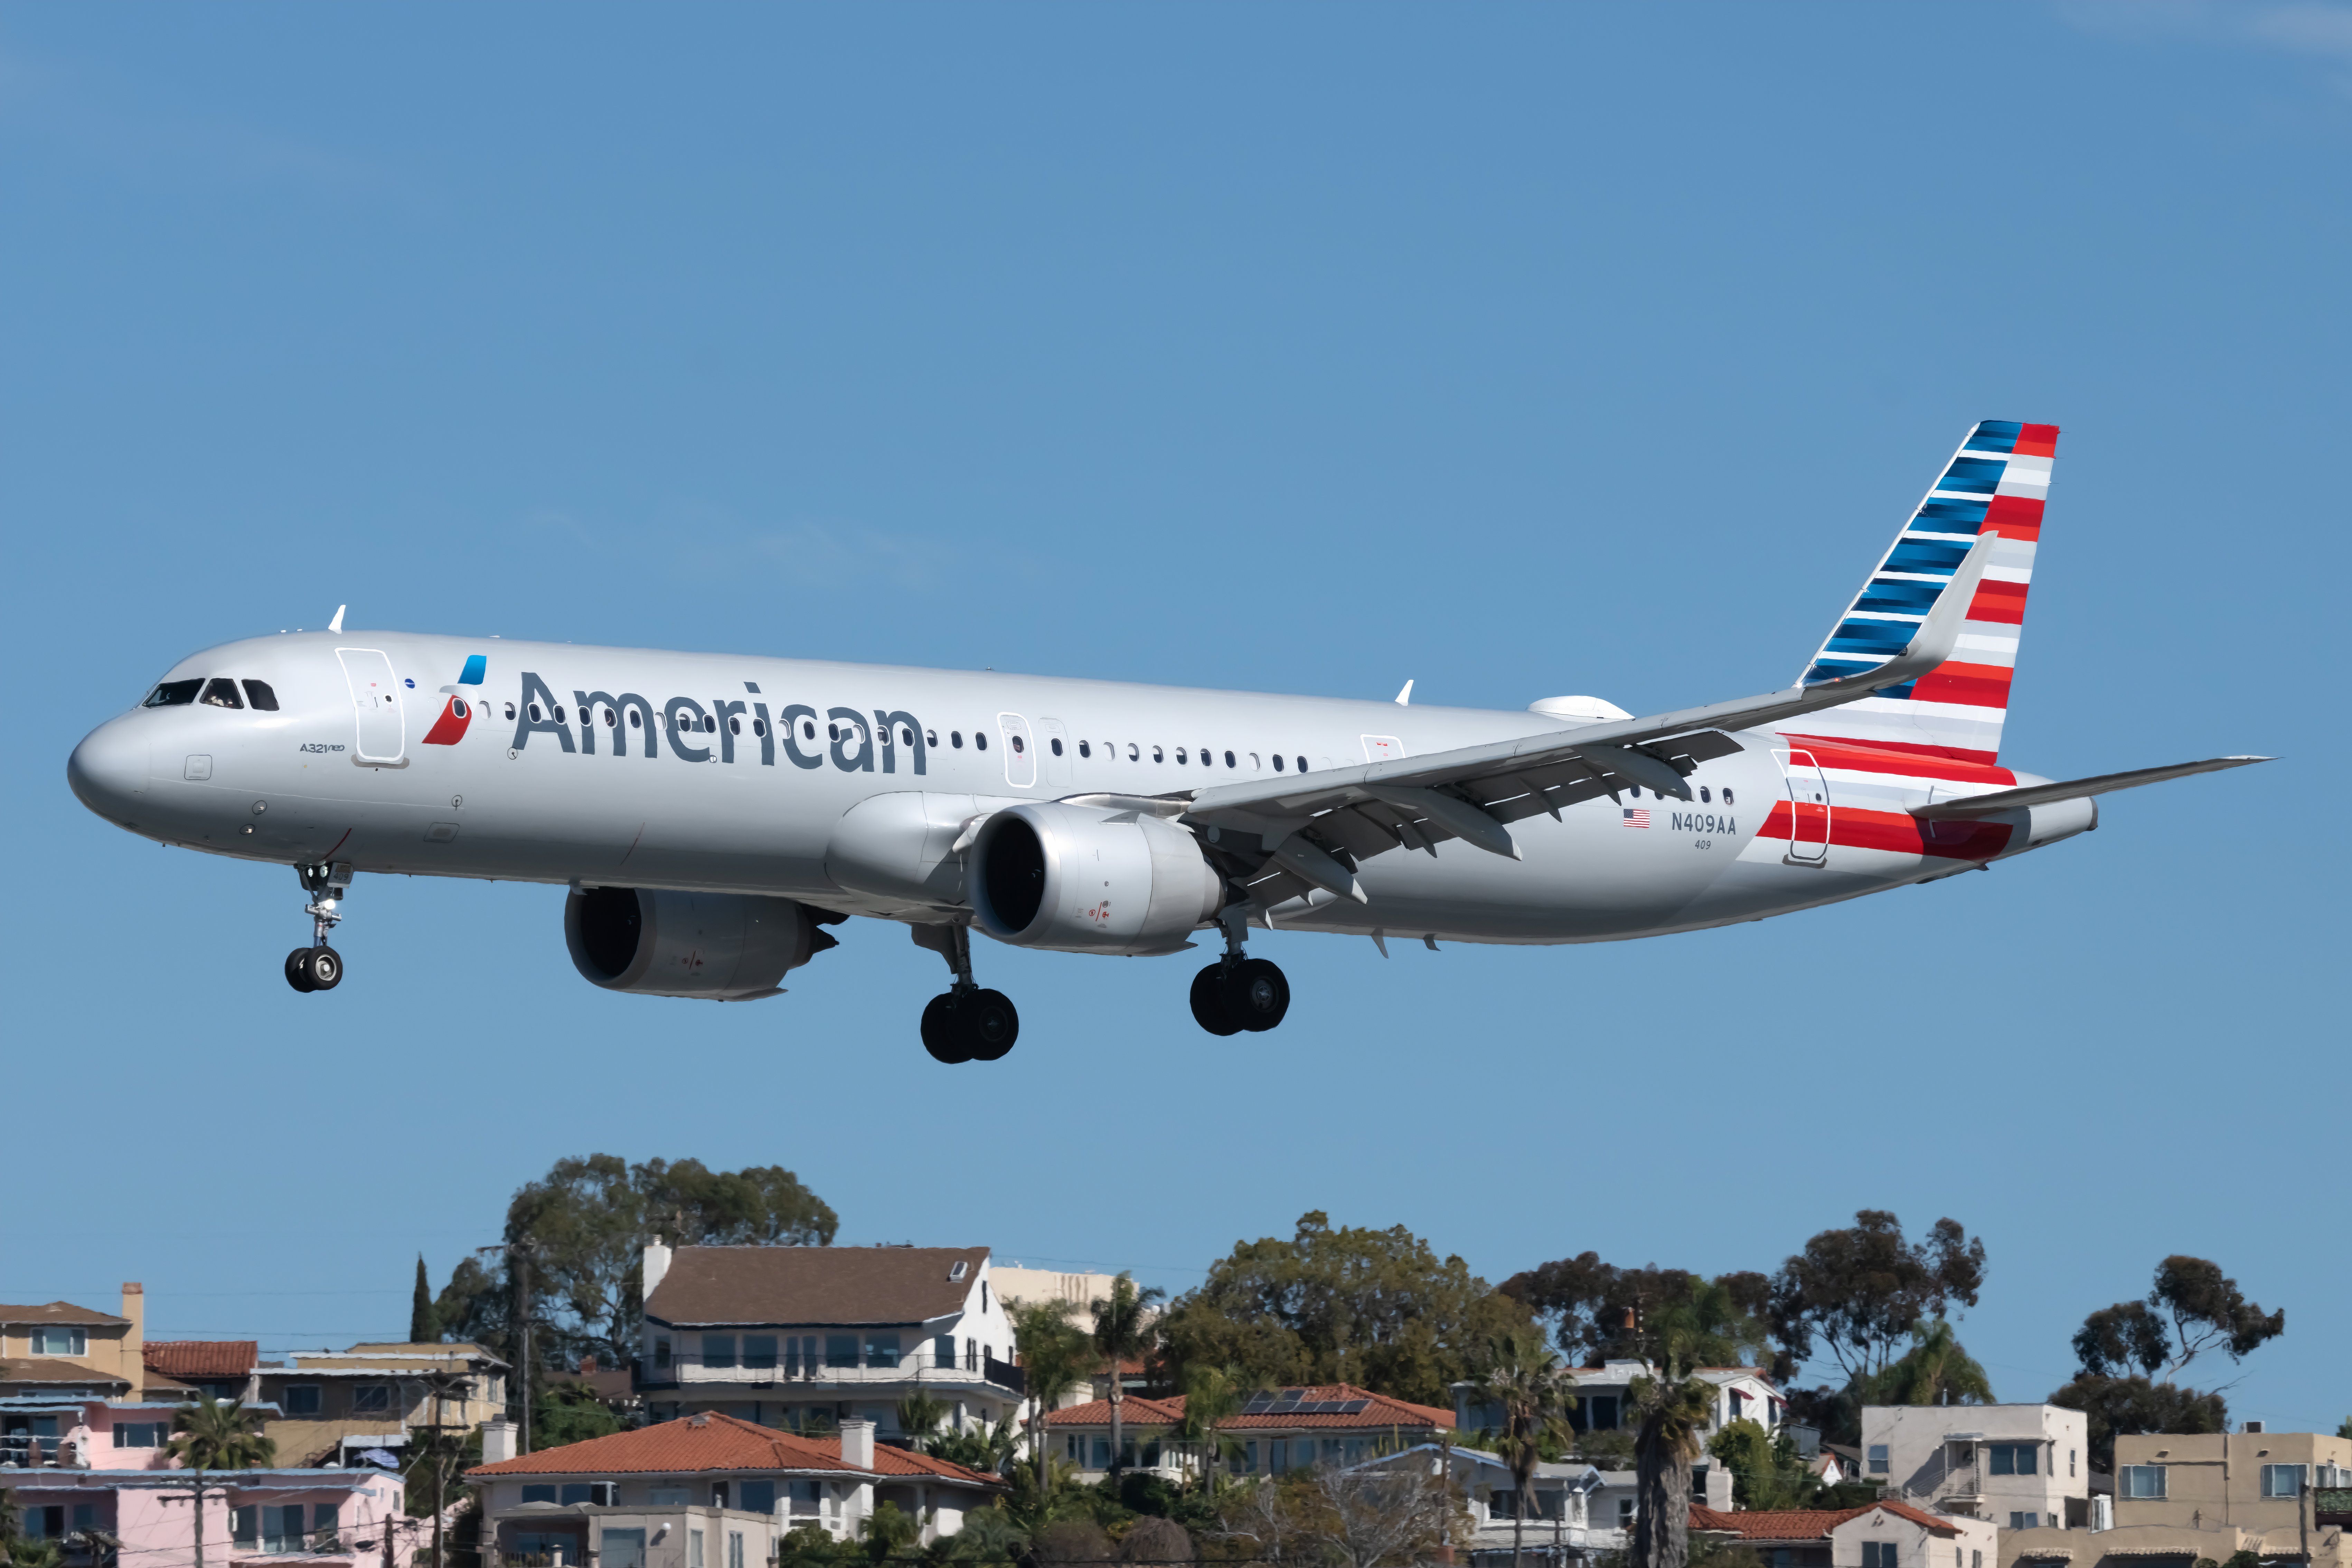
(331,1406)
(1561,1523)
(2020,1467)
(2212,1495)
(58,1348)
(217,1369)
(106,1470)
(1605,1397)
(707,1490)
(1886,1534)
(807,1337)
(1284,1429)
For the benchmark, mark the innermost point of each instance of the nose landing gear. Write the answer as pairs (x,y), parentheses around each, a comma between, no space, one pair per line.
(967,1022)
(319,967)
(1238,993)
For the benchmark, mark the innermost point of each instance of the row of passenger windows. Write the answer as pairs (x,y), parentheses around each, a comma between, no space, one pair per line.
(220,691)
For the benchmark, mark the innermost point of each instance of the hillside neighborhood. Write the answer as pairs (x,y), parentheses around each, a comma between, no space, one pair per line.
(759,1398)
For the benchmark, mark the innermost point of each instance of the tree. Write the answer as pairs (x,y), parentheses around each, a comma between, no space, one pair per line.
(1212,1395)
(1600,1312)
(1935,1371)
(571,1411)
(423,1328)
(1122,1333)
(920,1417)
(1053,1352)
(1673,1411)
(210,1436)
(887,1529)
(2192,1308)
(1374,1307)
(586,1224)
(1521,1379)
(2126,1406)
(1861,1291)
(983,1448)
(1766,1471)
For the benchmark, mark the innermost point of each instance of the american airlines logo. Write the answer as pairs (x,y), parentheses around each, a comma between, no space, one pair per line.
(853,741)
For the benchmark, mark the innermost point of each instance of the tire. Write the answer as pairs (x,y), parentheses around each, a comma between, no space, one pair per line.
(297,973)
(1209,1003)
(990,1025)
(1255,994)
(323,967)
(943,1033)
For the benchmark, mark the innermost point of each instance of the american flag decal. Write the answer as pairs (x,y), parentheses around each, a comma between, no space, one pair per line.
(1637,817)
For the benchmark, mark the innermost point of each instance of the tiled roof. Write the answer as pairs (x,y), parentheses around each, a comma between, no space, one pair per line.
(1805,1523)
(202,1358)
(1379,1413)
(819,1285)
(61,1312)
(41,1369)
(699,1444)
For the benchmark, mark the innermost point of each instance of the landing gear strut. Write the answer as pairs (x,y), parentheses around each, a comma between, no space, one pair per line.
(965,1023)
(319,967)
(1239,993)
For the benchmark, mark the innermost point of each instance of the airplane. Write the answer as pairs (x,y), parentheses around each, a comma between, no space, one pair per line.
(713,816)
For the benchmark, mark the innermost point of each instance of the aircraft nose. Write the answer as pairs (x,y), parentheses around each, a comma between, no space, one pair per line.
(107,770)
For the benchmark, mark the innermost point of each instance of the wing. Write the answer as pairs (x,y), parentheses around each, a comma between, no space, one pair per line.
(2072,789)
(1282,836)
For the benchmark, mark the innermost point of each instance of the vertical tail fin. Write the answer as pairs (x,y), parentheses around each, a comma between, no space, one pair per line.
(1996,483)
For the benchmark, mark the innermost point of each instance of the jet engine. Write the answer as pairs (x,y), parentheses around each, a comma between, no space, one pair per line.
(725,947)
(1080,880)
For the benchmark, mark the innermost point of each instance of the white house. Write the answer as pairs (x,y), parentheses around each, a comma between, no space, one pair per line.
(1603,1397)
(2022,1467)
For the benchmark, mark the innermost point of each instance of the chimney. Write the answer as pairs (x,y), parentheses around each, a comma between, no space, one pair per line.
(656,1267)
(498,1440)
(134,1337)
(857,1443)
(588,1363)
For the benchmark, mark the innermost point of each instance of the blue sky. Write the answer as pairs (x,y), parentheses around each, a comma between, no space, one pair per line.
(1517,351)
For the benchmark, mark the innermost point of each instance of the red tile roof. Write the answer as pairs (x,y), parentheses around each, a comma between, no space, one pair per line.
(698,1444)
(1805,1523)
(1379,1413)
(202,1358)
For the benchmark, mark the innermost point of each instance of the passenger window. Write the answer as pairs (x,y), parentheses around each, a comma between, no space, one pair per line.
(173,694)
(833,731)
(955,739)
(561,716)
(1017,746)
(1702,796)
(760,727)
(1253,762)
(612,720)
(734,725)
(1180,757)
(510,713)
(711,724)
(1134,752)
(220,692)
(1229,759)
(1302,764)
(1206,759)
(1726,794)
(906,736)
(637,719)
(930,737)
(263,699)
(1277,762)
(456,705)
(980,740)
(1057,744)
(808,729)
(1084,748)
(534,712)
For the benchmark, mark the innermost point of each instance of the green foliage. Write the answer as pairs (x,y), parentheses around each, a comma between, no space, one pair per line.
(24,1553)
(1599,1312)
(210,1435)
(570,1411)
(1766,1472)
(587,1222)
(1860,1293)
(888,1529)
(1212,1395)
(2126,1406)
(984,1448)
(435,1460)
(1608,1450)
(1375,1307)
(920,1417)
(2343,1428)
(1066,1542)
(2242,1560)
(2192,1308)
(1935,1371)
(1521,1382)
(423,1326)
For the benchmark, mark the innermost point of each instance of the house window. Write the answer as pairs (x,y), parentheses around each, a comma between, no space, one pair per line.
(1624,1513)
(2282,1481)
(671,1496)
(139,1435)
(301,1398)
(759,1497)
(718,1494)
(661,1353)
(2144,1483)
(1878,1554)
(1877,1460)
(1102,1454)
(60,1342)
(881,1350)
(943,1351)
(718,1350)
(840,1350)
(1603,1412)
(371,1398)
(281,1530)
(1249,1458)
(694,1549)
(760,1351)
(734,1549)
(1698,1484)
(2024,1521)
(244,1526)
(540,1494)
(2012,1458)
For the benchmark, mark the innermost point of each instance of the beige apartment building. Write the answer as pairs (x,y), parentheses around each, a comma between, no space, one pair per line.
(2018,1466)
(2209,1495)
(57,1348)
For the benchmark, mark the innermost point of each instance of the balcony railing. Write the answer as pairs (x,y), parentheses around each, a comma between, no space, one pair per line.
(24,1450)
(922,1367)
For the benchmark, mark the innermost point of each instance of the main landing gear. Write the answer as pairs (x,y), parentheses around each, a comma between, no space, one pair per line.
(1238,993)
(319,967)
(965,1023)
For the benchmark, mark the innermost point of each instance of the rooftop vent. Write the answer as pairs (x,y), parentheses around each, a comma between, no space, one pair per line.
(2253,1427)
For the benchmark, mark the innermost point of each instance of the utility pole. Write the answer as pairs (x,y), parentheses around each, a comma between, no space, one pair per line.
(522,1368)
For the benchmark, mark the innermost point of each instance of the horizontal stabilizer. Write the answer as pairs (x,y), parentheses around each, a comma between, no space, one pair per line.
(2072,789)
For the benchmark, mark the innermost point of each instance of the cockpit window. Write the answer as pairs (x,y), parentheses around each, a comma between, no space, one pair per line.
(263,700)
(221,692)
(173,694)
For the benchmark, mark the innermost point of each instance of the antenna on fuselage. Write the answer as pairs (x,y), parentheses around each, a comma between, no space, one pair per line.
(1404,698)
(337,624)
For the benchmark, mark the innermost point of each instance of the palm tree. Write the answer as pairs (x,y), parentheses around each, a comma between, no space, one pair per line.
(1673,1412)
(919,1416)
(1522,1379)
(1053,1352)
(1122,1333)
(211,1436)
(1212,1395)
(1935,1371)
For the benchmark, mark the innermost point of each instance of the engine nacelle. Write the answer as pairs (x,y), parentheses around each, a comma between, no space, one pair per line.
(1079,880)
(724,947)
